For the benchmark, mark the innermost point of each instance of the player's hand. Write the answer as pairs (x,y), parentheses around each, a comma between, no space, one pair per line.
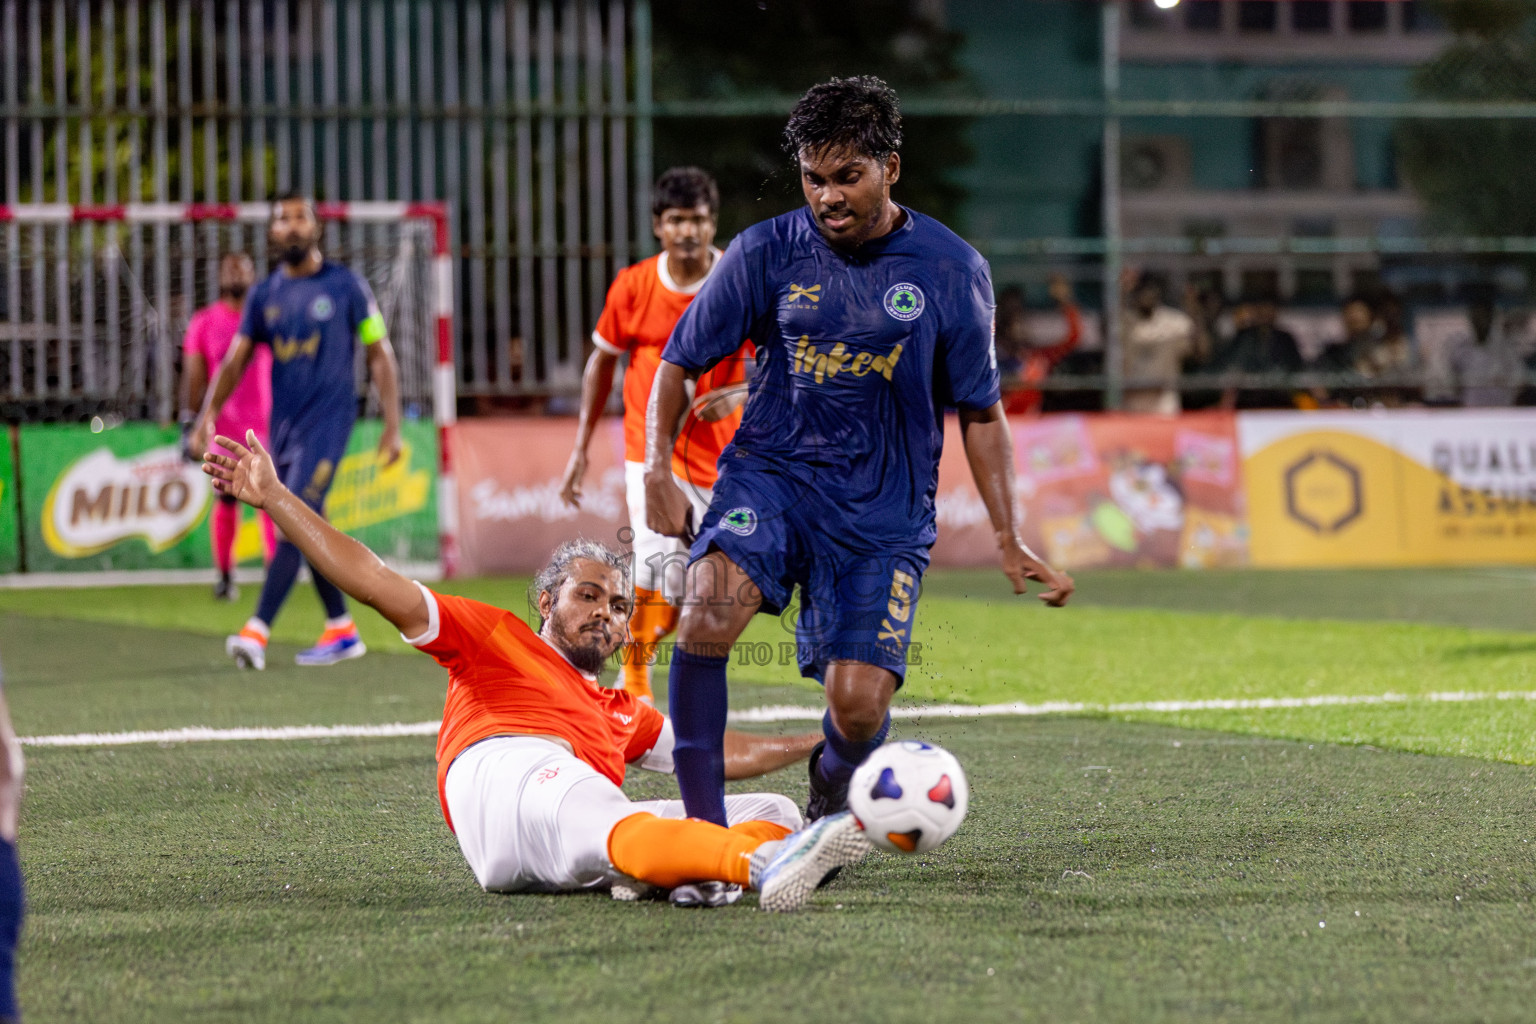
(716,405)
(1061,291)
(197,439)
(390,446)
(666,506)
(1020,565)
(245,473)
(570,487)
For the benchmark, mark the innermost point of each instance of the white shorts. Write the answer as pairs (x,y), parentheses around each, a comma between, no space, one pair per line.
(531,817)
(661,563)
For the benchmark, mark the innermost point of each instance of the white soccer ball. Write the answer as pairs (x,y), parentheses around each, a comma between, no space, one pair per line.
(909,796)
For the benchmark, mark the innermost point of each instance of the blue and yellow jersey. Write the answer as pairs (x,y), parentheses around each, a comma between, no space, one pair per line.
(313,325)
(858,357)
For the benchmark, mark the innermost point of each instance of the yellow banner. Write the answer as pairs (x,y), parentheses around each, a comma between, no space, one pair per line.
(1443,488)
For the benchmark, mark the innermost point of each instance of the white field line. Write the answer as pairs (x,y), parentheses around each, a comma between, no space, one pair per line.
(793,713)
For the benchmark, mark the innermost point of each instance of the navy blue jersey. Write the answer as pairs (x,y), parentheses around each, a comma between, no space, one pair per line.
(858,357)
(313,325)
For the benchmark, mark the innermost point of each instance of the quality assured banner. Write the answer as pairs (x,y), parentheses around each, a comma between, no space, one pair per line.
(124,498)
(1442,487)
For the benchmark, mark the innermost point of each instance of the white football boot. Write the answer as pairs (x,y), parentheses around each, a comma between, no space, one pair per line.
(786,873)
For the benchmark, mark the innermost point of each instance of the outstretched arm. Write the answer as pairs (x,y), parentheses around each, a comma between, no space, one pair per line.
(386,377)
(989,449)
(246,472)
(748,755)
(666,506)
(230,372)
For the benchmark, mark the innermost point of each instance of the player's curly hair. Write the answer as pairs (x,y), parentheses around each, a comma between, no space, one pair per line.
(558,569)
(859,114)
(683,188)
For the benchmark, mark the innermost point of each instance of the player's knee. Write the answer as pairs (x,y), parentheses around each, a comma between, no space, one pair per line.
(781,810)
(707,625)
(858,719)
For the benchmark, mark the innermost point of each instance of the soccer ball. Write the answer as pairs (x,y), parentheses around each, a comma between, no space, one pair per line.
(909,796)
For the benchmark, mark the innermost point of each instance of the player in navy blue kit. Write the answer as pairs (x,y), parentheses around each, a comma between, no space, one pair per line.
(313,313)
(870,320)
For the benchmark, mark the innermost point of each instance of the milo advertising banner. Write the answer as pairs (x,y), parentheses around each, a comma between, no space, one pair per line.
(9,512)
(1442,487)
(124,498)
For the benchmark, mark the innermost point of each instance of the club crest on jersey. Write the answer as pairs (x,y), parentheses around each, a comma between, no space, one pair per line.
(322,309)
(740,521)
(811,294)
(271,312)
(904,301)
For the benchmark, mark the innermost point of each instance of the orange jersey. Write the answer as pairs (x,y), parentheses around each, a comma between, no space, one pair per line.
(642,308)
(504,679)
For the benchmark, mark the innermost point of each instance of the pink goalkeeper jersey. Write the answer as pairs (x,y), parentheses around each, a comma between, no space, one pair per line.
(209,334)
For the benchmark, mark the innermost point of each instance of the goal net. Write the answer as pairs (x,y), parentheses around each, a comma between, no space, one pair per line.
(95,302)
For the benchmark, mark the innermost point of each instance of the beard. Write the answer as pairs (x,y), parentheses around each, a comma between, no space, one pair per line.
(294,253)
(234,294)
(588,659)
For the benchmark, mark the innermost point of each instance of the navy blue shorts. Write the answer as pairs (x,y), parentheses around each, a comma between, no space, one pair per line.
(855,604)
(307,465)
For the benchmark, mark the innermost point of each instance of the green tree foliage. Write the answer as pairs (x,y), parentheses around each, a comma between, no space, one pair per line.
(1473,174)
(735,49)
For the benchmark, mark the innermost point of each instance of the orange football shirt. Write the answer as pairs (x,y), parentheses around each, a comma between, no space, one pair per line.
(642,308)
(503,678)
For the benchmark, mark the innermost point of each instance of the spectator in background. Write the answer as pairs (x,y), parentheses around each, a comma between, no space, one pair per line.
(1485,364)
(1260,346)
(1156,339)
(1029,364)
(1374,350)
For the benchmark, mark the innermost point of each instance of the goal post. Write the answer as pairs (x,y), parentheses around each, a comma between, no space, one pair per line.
(94,302)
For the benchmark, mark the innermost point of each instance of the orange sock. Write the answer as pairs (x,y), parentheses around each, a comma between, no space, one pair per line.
(670,851)
(653,619)
(762,831)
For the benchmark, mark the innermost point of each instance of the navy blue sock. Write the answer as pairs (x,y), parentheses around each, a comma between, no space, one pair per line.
(12,907)
(696,696)
(280,576)
(841,755)
(330,595)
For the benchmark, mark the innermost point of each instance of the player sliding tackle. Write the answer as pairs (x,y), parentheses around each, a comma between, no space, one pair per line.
(869,320)
(531,750)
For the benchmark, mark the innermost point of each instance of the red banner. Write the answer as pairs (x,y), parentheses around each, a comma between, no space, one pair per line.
(1093,490)
(1133,490)
(509,471)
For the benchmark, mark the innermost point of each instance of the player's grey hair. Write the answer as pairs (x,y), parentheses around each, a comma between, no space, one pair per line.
(558,569)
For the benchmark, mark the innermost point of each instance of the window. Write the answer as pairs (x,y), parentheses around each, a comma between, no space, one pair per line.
(1367,16)
(1313,15)
(1257,15)
(1144,15)
(1314,284)
(1203,15)
(1417,17)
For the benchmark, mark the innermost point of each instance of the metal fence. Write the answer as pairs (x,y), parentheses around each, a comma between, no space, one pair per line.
(517,112)
(533,120)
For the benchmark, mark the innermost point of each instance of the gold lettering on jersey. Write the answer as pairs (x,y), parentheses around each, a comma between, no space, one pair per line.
(809,359)
(900,605)
(811,294)
(285,350)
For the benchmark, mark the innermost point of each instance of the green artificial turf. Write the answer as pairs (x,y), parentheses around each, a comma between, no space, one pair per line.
(1129,866)
(1108,872)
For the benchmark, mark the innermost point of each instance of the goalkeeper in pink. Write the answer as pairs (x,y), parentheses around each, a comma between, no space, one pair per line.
(209,334)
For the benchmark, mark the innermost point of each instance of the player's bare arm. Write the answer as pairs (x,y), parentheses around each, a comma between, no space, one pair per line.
(230,371)
(748,755)
(665,503)
(385,373)
(989,450)
(246,472)
(596,385)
